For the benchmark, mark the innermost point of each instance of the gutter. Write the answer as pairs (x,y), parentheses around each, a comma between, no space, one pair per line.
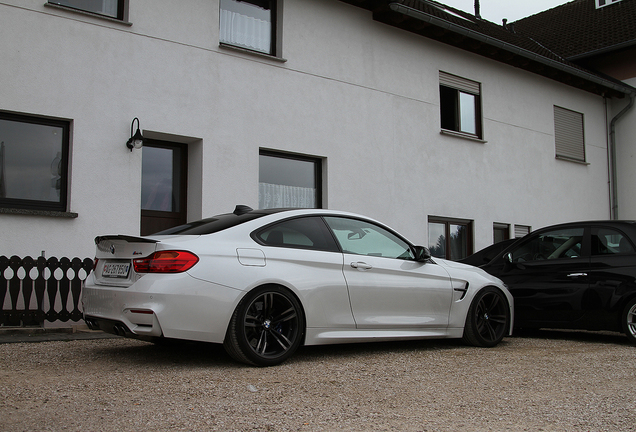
(438,22)
(612,155)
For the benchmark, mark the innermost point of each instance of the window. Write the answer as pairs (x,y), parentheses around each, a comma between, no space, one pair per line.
(607,241)
(500,232)
(460,105)
(249,24)
(364,238)
(568,135)
(111,8)
(601,3)
(164,174)
(561,243)
(521,230)
(304,233)
(289,181)
(450,239)
(33,163)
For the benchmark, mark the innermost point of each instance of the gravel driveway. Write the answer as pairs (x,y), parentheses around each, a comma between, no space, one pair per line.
(552,381)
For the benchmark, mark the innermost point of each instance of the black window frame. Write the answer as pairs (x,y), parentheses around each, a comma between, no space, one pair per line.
(27,204)
(276,19)
(451,88)
(447,222)
(122,10)
(318,167)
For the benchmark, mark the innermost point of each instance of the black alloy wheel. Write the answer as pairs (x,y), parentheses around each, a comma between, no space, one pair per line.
(488,318)
(629,320)
(266,328)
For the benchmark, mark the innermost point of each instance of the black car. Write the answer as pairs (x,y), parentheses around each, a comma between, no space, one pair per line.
(579,275)
(487,254)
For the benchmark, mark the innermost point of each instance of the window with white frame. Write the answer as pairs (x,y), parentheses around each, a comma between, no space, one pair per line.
(110,8)
(33,163)
(289,181)
(602,3)
(460,105)
(250,24)
(568,134)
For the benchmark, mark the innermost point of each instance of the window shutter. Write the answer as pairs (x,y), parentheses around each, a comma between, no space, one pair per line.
(521,230)
(459,83)
(568,134)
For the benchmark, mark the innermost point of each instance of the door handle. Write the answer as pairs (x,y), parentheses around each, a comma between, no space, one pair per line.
(361,265)
(577,274)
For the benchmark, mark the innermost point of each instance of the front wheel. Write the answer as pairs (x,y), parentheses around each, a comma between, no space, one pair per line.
(266,328)
(488,318)
(629,320)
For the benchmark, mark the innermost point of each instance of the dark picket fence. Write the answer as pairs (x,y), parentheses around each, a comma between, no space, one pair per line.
(36,290)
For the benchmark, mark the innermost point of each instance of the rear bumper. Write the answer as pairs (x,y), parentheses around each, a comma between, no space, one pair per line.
(173,306)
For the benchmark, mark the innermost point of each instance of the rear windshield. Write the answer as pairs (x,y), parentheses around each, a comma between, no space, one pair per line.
(212,225)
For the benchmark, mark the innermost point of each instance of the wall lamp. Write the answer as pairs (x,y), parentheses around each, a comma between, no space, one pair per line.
(136,140)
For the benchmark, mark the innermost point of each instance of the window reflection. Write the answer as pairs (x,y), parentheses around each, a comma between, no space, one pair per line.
(157,192)
(32,165)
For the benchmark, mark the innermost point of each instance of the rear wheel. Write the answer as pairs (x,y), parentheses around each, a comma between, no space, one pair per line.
(266,328)
(488,318)
(629,320)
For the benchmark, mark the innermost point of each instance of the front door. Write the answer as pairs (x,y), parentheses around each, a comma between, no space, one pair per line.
(387,287)
(163,186)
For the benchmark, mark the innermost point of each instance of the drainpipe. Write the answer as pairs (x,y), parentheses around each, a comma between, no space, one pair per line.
(612,149)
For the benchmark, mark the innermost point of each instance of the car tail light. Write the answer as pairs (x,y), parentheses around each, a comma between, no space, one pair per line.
(166,262)
(95,263)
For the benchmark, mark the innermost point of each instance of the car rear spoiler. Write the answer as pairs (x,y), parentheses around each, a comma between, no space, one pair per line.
(129,239)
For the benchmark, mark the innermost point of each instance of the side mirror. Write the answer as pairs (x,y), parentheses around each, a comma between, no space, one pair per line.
(507,260)
(422,254)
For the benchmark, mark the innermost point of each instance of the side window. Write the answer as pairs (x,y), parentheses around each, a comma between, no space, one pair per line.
(33,163)
(364,238)
(303,233)
(250,24)
(563,243)
(606,241)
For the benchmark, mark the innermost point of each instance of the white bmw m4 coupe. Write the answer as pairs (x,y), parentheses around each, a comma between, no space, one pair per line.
(264,282)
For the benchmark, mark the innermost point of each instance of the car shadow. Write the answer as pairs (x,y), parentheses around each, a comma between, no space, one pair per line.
(603,337)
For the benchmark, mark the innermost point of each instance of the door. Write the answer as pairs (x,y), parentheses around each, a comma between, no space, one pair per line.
(549,277)
(387,287)
(163,186)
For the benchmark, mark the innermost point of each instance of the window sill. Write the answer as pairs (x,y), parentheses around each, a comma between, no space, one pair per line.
(254,53)
(89,14)
(27,212)
(567,159)
(462,135)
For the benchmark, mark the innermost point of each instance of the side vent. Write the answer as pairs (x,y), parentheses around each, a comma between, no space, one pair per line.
(242,209)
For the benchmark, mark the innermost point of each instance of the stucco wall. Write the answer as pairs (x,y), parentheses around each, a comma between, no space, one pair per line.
(358,93)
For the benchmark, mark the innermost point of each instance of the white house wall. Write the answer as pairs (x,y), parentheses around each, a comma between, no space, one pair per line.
(626,157)
(362,95)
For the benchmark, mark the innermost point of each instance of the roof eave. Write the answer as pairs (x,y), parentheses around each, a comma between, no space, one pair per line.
(512,54)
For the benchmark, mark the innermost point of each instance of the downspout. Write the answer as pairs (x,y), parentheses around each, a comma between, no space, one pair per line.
(612,143)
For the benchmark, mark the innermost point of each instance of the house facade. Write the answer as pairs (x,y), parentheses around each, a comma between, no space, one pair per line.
(438,123)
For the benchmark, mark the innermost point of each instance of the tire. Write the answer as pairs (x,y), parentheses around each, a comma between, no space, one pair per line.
(488,319)
(266,328)
(628,319)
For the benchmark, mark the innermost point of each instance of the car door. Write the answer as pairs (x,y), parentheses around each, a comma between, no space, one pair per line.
(549,276)
(387,287)
(612,276)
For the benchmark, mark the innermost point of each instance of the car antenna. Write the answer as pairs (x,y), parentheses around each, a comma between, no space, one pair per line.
(242,209)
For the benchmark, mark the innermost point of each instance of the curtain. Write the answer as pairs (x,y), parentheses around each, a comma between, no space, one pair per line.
(283,196)
(246,31)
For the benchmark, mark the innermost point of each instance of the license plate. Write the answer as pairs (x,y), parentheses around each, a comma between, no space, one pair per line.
(116,270)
